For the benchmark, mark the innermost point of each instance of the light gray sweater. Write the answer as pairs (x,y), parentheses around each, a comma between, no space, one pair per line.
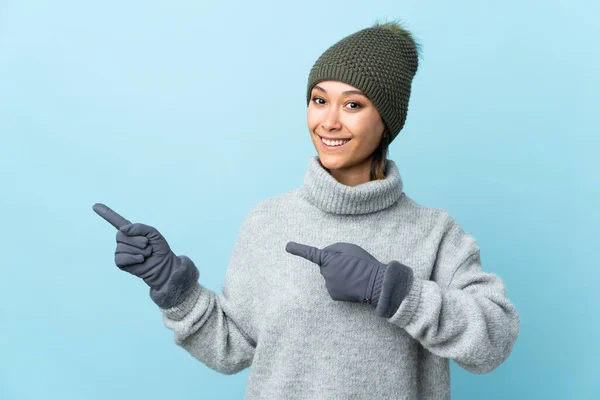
(275,315)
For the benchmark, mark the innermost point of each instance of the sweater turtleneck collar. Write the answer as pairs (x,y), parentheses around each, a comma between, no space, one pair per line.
(326,193)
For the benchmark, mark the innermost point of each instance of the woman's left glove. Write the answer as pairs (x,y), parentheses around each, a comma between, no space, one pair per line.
(352,274)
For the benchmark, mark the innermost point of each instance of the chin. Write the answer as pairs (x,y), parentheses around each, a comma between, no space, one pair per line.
(333,162)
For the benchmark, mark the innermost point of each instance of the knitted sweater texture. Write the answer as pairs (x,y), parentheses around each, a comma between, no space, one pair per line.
(275,316)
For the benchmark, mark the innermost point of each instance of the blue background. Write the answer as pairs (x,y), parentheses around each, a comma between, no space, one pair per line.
(184,115)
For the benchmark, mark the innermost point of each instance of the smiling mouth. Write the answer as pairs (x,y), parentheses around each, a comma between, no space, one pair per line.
(333,144)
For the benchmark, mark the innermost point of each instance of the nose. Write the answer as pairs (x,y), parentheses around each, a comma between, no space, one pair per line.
(331,121)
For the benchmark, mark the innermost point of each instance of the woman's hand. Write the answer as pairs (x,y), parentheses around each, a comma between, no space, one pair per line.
(350,272)
(141,249)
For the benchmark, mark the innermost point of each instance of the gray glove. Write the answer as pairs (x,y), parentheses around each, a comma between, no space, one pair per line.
(352,274)
(145,253)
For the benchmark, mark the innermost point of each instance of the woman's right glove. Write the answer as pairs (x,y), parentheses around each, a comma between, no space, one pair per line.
(144,252)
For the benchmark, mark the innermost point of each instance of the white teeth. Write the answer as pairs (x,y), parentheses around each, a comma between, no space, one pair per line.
(334,142)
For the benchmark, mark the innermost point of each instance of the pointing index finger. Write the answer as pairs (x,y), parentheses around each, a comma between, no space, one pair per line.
(111,216)
(309,252)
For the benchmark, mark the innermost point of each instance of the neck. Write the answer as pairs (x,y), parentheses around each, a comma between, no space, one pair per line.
(354,175)
(325,192)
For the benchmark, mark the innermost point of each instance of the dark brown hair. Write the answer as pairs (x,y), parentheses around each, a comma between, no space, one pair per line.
(379,157)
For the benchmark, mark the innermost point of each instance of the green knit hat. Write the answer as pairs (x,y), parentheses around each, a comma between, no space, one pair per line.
(381,61)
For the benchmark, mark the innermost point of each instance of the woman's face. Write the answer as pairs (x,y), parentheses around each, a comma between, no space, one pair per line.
(338,111)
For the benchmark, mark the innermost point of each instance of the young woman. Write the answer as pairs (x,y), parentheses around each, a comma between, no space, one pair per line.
(344,288)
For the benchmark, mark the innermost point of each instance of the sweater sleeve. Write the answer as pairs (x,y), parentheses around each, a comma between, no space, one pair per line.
(465,314)
(208,325)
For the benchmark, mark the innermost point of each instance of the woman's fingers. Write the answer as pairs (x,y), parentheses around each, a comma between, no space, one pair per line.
(309,252)
(110,216)
(136,241)
(127,248)
(131,250)
(139,229)
(127,259)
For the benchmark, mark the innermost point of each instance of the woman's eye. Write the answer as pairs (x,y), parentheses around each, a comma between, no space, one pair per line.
(355,104)
(317,100)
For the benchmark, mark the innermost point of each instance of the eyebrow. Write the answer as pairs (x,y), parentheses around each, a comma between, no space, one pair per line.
(344,93)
